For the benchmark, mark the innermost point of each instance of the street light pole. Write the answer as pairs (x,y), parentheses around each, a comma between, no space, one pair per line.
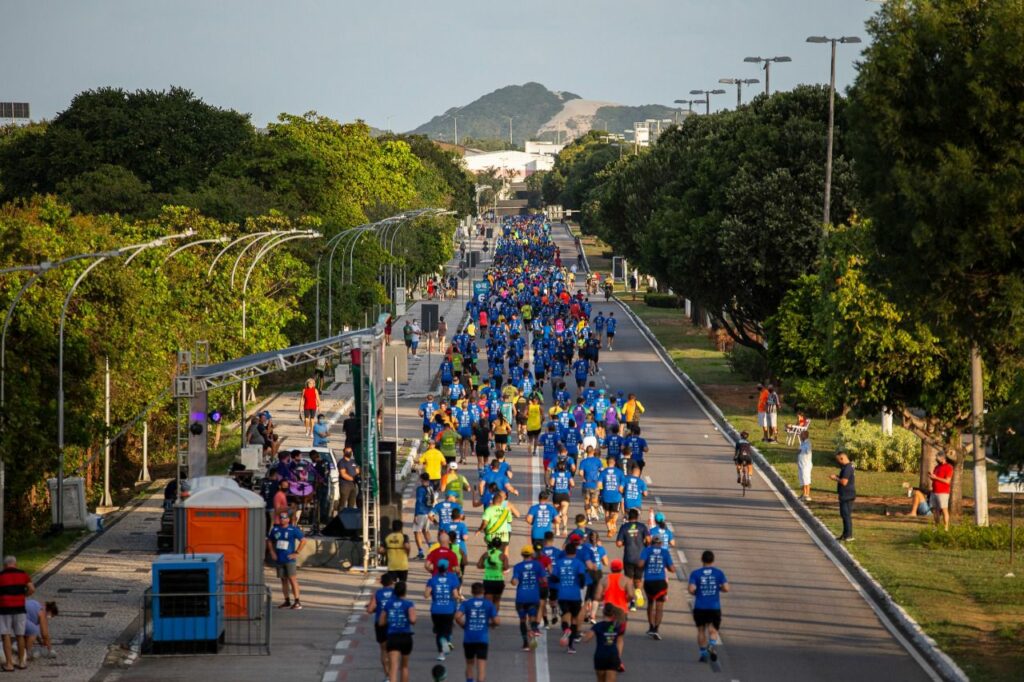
(739,83)
(707,97)
(831,116)
(767,61)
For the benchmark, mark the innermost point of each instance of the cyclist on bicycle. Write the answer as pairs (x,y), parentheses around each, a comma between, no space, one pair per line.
(744,458)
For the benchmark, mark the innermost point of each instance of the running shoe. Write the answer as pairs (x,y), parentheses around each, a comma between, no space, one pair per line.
(421,556)
(570,650)
(440,656)
(286,604)
(564,641)
(641,600)
(296,605)
(526,647)
(703,657)
(447,644)
(650,632)
(713,652)
(656,635)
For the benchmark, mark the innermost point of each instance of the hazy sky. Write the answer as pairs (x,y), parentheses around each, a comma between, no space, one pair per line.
(403,61)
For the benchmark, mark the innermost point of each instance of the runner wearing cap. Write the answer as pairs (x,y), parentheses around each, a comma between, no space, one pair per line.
(668,538)
(454,483)
(657,563)
(527,576)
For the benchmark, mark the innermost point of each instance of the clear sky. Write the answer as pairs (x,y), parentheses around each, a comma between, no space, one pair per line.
(399,62)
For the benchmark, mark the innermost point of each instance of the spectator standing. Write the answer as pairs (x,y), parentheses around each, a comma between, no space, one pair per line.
(847,492)
(407,336)
(804,464)
(353,431)
(348,470)
(321,432)
(762,411)
(442,332)
(309,405)
(416,333)
(942,478)
(772,405)
(15,587)
(284,542)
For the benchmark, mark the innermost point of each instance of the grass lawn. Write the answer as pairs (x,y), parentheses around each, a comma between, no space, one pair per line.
(958,596)
(34,555)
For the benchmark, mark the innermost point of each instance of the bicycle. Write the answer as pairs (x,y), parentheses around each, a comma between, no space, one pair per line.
(744,480)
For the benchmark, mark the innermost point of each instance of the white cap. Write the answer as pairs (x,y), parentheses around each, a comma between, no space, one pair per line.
(453,465)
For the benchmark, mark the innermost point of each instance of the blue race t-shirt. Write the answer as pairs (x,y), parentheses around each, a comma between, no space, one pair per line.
(543,516)
(636,447)
(572,575)
(610,324)
(423,495)
(528,574)
(285,539)
(398,617)
(666,535)
(441,599)
(478,613)
(635,487)
(708,581)
(443,511)
(561,481)
(656,561)
(382,597)
(611,479)
(591,467)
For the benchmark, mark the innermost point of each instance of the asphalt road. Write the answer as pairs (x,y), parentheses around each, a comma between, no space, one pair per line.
(791,614)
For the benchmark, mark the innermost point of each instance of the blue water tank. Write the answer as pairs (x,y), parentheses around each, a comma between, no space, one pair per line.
(188,601)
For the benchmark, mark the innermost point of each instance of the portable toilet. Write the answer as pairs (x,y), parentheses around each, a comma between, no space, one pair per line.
(220,517)
(188,603)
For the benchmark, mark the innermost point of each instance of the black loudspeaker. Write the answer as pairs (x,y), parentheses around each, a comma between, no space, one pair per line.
(387,459)
(348,524)
(428,321)
(474,259)
(388,513)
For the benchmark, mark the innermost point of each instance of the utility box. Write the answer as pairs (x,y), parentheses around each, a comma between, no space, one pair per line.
(75,513)
(429,317)
(342,373)
(188,603)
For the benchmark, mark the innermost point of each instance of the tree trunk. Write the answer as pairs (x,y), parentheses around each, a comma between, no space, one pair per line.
(955,453)
(927,464)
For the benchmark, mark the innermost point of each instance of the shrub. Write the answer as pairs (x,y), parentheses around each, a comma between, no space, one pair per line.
(872,450)
(748,363)
(656,300)
(969,536)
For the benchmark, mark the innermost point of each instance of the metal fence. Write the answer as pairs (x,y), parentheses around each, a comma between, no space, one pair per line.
(234,621)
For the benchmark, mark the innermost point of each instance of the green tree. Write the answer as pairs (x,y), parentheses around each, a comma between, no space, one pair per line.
(108,189)
(945,184)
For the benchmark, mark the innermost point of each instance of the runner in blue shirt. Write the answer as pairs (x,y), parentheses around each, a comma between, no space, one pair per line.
(580,370)
(399,617)
(476,615)
(590,471)
(442,511)
(541,518)
(608,636)
(572,576)
(656,561)
(660,527)
(706,583)
(610,325)
(549,444)
(549,556)
(426,411)
(561,483)
(635,490)
(611,496)
(443,591)
(637,447)
(613,446)
(599,325)
(527,576)
(378,603)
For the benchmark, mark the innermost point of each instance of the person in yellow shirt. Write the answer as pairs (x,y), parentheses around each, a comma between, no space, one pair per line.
(432,460)
(533,425)
(632,410)
(396,548)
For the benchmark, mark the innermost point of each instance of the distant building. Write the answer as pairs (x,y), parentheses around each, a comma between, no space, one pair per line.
(543,147)
(513,166)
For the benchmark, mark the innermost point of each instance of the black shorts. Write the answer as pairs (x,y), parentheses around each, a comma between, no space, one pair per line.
(580,383)
(400,576)
(309,414)
(444,623)
(477,650)
(533,434)
(712,617)
(607,662)
(743,460)
(401,642)
(520,420)
(494,587)
(571,608)
(595,580)
(559,498)
(656,590)
(553,593)
(632,570)
(544,594)
(501,439)
(611,335)
(381,633)
(611,507)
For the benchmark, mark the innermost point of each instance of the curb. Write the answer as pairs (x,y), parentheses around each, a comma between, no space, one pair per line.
(874,593)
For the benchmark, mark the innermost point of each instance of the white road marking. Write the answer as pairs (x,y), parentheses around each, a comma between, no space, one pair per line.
(882,616)
(354,618)
(343,644)
(349,631)
(330,676)
(682,557)
(540,657)
(657,500)
(337,660)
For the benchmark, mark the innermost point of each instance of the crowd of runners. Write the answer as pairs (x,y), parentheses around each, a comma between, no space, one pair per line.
(523,374)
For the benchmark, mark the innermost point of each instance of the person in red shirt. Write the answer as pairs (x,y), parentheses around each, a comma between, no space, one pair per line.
(442,551)
(942,478)
(762,410)
(309,406)
(15,587)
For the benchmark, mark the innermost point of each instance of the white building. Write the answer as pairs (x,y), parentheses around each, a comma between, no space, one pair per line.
(513,166)
(542,147)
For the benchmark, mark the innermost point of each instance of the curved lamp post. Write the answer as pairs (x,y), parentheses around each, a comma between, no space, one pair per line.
(131,252)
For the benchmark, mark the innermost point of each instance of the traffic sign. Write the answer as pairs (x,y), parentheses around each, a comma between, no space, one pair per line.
(463,273)
(480,288)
